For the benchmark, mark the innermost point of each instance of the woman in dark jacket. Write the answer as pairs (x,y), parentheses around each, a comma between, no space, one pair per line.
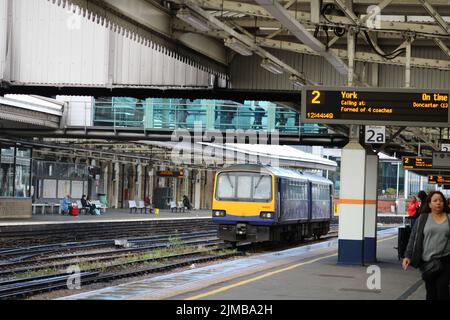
(429,240)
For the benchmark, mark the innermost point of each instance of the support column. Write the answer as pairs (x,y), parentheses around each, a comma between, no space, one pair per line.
(408,64)
(198,189)
(105,182)
(353,186)
(271,117)
(148,113)
(210,113)
(139,182)
(151,183)
(6,55)
(370,208)
(406,184)
(94,189)
(187,178)
(116,184)
(352,199)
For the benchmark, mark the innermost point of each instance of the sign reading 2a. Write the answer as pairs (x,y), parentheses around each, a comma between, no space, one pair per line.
(375,134)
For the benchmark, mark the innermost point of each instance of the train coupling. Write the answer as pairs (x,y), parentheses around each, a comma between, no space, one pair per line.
(241,228)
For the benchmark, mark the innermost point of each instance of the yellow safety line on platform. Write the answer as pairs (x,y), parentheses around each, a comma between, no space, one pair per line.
(268,274)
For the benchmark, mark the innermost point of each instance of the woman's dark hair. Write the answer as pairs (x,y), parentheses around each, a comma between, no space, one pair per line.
(83,196)
(422,195)
(426,208)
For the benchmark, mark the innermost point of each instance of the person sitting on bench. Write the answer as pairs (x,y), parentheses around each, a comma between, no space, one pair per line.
(86,203)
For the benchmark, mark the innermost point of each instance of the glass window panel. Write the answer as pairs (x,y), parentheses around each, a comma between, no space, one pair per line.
(6,179)
(23,153)
(226,186)
(63,188)
(22,180)
(77,189)
(244,187)
(49,188)
(262,188)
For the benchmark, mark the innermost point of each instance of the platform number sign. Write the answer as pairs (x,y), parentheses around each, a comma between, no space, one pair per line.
(445,147)
(375,134)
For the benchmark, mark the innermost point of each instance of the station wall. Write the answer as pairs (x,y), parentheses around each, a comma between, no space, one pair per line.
(60,44)
(3,39)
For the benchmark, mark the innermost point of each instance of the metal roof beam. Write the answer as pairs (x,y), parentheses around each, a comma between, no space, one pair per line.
(304,17)
(297,29)
(443,46)
(348,12)
(436,16)
(359,56)
(193,4)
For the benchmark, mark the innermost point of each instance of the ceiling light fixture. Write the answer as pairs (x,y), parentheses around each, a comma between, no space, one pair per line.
(297,81)
(238,46)
(271,66)
(193,20)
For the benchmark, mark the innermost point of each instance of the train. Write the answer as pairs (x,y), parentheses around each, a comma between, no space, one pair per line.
(257,203)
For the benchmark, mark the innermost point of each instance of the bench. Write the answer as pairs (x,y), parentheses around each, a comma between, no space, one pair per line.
(99,205)
(141,205)
(81,208)
(138,204)
(132,205)
(43,207)
(38,205)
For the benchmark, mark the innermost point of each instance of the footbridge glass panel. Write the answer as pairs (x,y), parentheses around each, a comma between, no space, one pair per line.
(162,113)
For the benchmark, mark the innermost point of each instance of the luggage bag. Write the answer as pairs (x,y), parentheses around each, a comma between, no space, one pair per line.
(403,237)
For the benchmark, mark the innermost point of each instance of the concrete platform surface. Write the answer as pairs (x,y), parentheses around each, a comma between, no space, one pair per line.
(307,272)
(111,215)
(123,215)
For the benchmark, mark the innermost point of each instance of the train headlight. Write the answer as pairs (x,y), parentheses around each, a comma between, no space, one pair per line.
(267,215)
(219,213)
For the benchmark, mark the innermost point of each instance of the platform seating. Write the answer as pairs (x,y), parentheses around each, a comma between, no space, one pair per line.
(173,206)
(180,206)
(99,205)
(81,208)
(132,205)
(38,205)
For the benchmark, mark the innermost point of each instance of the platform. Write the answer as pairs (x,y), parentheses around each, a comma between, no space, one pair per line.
(124,215)
(308,272)
(111,215)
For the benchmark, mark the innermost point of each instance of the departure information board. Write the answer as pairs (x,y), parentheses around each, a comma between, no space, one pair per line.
(439,179)
(417,163)
(375,106)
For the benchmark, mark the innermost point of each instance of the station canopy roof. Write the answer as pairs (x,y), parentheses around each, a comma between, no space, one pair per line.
(228,153)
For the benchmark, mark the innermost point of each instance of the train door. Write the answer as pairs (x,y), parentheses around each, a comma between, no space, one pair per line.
(278,202)
(310,200)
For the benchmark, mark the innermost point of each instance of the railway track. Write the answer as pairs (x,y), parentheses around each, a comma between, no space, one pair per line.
(21,236)
(18,267)
(115,263)
(20,288)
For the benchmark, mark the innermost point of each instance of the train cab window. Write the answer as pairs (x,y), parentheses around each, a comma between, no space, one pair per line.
(226,186)
(244,186)
(262,188)
(247,186)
